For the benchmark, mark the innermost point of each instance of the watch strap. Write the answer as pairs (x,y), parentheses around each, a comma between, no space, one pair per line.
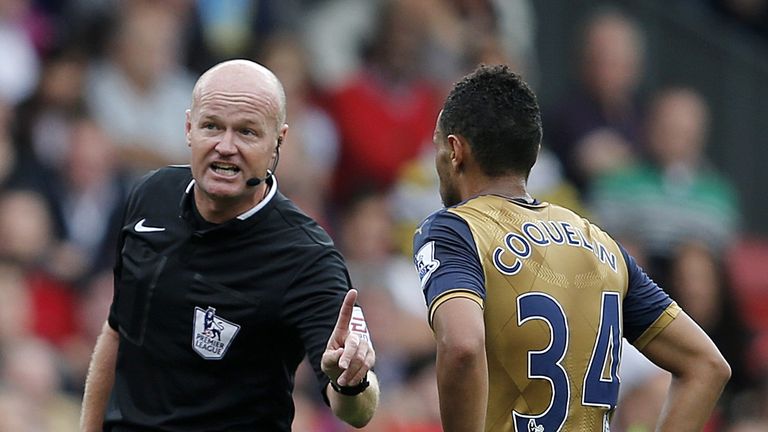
(351,390)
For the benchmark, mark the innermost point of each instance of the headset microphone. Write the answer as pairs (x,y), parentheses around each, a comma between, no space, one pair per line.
(252,182)
(255,181)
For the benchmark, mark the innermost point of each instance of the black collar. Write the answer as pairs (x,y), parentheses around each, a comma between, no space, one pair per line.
(201,227)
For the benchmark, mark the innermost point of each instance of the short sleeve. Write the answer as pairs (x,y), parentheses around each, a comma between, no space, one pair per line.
(446,258)
(647,308)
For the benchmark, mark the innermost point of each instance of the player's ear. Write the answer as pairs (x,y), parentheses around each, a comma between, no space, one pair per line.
(459,149)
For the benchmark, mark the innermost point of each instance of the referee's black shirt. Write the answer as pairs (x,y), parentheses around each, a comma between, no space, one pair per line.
(214,319)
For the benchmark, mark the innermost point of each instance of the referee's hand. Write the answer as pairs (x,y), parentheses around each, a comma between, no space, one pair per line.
(348,355)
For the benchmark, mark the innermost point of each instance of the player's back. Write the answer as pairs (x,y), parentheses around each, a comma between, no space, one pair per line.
(557,294)
(554,288)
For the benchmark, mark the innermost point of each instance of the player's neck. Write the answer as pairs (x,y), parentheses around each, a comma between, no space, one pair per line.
(507,186)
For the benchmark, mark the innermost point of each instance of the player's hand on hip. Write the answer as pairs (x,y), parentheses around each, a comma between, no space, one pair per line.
(349,354)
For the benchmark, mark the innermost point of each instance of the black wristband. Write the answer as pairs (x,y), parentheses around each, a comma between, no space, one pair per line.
(351,390)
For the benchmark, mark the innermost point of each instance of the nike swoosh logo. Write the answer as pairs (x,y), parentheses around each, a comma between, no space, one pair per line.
(139,227)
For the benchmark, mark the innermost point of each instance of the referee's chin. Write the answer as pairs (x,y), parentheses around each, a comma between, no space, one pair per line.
(223,190)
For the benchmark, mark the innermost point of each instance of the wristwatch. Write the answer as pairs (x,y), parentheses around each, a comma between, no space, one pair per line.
(351,390)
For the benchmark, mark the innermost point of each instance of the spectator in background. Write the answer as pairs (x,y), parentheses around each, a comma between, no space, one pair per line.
(308,156)
(678,216)
(334,34)
(139,93)
(26,239)
(30,368)
(657,206)
(62,154)
(88,198)
(220,30)
(459,34)
(697,281)
(42,128)
(385,113)
(596,128)
(25,227)
(465,33)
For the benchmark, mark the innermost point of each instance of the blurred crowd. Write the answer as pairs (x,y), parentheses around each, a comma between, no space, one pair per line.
(93,94)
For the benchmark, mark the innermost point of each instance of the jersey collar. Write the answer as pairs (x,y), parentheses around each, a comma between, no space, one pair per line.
(272,183)
(247,218)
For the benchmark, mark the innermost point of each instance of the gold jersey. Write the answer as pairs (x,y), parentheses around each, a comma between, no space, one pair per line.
(558,295)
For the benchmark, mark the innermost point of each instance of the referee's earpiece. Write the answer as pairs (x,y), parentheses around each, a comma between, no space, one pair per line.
(277,155)
(255,181)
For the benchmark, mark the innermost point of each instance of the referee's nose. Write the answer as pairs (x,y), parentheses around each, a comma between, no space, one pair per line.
(226,145)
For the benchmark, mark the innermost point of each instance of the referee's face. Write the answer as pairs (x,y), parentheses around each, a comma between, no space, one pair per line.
(232,130)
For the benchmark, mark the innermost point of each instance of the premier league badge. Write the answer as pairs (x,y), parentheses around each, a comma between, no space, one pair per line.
(212,334)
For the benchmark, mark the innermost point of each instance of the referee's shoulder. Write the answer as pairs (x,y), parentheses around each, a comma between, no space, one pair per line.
(170,172)
(161,185)
(301,224)
(170,175)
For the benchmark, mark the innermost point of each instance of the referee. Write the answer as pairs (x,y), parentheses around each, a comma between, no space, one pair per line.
(222,285)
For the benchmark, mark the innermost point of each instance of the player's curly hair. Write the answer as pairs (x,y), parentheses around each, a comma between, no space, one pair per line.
(496,111)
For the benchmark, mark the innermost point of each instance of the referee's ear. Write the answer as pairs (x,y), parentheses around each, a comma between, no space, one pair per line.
(188,126)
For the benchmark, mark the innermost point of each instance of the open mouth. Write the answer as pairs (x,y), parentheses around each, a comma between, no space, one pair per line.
(225,169)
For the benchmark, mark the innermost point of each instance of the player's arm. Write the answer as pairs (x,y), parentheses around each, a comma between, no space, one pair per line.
(452,277)
(101,377)
(347,360)
(672,340)
(462,369)
(699,373)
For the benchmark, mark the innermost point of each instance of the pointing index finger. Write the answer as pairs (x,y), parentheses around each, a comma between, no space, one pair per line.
(345,313)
